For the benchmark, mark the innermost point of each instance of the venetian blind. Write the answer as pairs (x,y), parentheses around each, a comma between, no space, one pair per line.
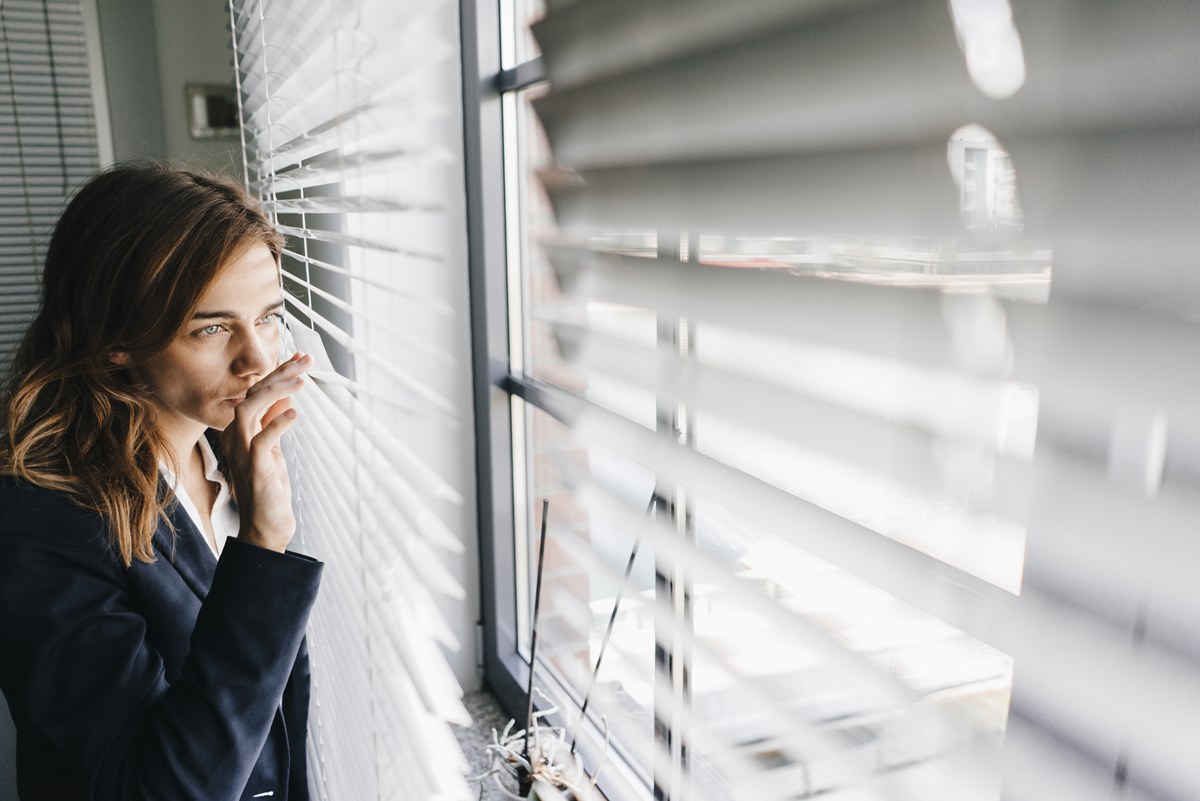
(341,109)
(47,145)
(871,315)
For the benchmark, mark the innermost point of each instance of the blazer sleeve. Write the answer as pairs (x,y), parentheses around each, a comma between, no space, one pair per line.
(77,651)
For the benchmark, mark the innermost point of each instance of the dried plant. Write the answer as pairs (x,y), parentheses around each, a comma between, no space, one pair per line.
(547,766)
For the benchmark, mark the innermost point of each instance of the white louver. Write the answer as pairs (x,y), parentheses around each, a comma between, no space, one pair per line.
(340,111)
(985,424)
(47,145)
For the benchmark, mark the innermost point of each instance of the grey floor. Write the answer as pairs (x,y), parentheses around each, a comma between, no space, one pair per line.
(486,714)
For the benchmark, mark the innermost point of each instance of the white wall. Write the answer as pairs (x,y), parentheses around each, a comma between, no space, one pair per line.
(451,451)
(127,46)
(193,44)
(151,50)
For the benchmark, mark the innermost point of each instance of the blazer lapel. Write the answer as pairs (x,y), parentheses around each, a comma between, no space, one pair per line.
(185,548)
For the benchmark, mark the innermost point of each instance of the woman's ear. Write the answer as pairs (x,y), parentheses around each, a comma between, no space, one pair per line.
(119,357)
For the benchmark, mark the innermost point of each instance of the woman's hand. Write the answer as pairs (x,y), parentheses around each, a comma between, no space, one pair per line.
(256,466)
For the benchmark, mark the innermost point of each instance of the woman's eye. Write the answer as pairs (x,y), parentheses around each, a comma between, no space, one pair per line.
(210,330)
(273,317)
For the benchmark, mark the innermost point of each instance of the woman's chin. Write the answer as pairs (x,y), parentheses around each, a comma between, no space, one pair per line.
(222,417)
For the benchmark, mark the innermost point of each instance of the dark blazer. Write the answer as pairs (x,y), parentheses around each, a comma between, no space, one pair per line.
(182,679)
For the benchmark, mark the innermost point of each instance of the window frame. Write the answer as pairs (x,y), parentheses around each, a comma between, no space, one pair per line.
(486,246)
(1019,713)
(500,394)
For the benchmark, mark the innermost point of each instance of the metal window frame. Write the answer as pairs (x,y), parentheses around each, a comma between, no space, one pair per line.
(503,670)
(520,76)
(499,394)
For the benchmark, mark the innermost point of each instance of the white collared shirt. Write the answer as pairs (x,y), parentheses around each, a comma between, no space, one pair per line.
(224,515)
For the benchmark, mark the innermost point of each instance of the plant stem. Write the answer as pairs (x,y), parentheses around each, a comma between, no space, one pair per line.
(533,641)
(612,619)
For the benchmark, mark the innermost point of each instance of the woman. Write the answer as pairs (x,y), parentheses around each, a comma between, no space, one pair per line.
(137,663)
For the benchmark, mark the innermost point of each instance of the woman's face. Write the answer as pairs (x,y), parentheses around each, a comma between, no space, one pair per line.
(231,342)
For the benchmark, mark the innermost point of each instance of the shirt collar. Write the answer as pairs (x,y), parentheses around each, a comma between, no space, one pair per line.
(211,471)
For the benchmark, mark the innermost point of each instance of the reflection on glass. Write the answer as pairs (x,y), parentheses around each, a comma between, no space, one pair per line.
(992,257)
(953,527)
(643,244)
(782,704)
(943,511)
(775,713)
(528,12)
(991,45)
(586,555)
(986,180)
(1018,271)
(532,223)
(517,44)
(549,316)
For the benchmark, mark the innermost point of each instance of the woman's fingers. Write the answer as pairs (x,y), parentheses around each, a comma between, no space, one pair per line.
(265,445)
(285,380)
(256,459)
(267,519)
(277,408)
(286,374)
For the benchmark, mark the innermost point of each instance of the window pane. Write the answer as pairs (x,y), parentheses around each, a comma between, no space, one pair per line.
(517,43)
(938,505)
(532,222)
(770,701)
(1019,271)
(544,309)
(586,557)
(802,714)
(528,12)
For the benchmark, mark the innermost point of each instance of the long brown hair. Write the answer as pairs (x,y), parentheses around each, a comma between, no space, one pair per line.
(127,264)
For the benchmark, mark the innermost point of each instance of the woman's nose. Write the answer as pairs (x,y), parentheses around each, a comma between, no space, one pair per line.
(256,355)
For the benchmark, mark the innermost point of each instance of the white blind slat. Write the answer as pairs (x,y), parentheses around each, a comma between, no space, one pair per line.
(438,306)
(47,141)
(876,74)
(324,91)
(383,325)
